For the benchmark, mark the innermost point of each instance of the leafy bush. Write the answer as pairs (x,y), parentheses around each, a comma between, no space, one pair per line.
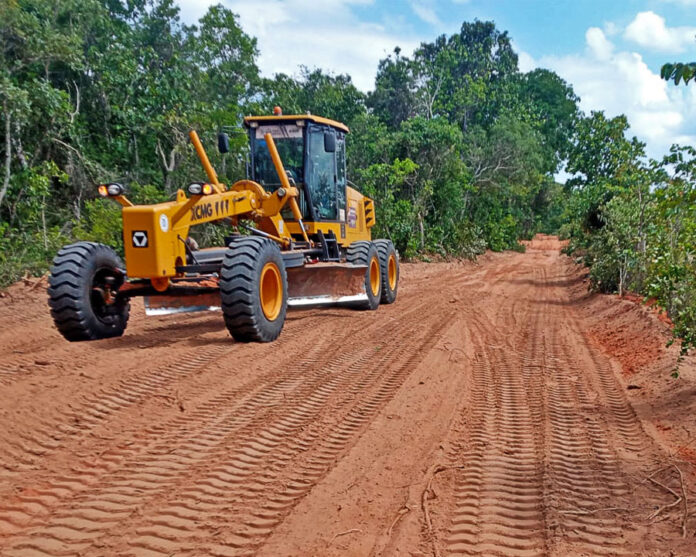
(645,240)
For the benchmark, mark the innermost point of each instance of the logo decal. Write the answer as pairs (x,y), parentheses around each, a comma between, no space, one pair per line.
(208,209)
(139,238)
(352,216)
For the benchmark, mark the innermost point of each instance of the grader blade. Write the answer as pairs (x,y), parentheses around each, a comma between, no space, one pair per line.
(326,283)
(165,305)
(310,285)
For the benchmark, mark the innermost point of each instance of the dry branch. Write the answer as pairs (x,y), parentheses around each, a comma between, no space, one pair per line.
(678,498)
(402,512)
(344,534)
(432,472)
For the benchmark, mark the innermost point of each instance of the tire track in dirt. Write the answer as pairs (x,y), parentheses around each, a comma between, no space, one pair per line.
(498,492)
(130,391)
(252,410)
(46,346)
(582,469)
(600,441)
(548,441)
(100,407)
(156,458)
(22,452)
(35,548)
(312,453)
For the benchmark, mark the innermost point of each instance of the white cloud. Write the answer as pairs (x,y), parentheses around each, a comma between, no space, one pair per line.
(525,61)
(620,82)
(650,31)
(426,13)
(611,29)
(600,46)
(326,34)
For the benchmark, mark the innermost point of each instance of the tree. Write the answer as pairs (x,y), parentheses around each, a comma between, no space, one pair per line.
(553,109)
(604,162)
(331,96)
(394,99)
(466,77)
(436,192)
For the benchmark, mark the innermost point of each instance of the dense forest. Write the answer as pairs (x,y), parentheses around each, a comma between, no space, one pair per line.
(458,147)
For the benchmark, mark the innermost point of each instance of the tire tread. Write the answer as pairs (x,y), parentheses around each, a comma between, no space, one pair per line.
(240,305)
(68,296)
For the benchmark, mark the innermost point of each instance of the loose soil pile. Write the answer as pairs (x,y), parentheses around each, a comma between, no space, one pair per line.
(496,409)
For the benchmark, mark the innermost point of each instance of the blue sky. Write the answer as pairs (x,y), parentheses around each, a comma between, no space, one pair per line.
(610,51)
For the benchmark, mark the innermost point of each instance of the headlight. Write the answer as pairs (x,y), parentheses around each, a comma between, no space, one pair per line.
(114,189)
(110,190)
(200,188)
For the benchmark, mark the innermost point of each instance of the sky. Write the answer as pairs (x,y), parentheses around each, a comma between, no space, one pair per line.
(610,51)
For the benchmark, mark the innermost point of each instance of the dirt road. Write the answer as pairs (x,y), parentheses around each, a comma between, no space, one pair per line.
(477,415)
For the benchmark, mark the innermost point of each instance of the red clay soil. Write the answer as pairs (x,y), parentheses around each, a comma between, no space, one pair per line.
(496,408)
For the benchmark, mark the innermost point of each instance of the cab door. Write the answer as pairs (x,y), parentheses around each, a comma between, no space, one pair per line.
(321,174)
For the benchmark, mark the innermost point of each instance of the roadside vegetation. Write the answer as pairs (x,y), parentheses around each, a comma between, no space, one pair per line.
(633,220)
(458,147)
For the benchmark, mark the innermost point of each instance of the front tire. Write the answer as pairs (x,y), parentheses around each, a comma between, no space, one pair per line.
(254,290)
(83,284)
(389,267)
(365,253)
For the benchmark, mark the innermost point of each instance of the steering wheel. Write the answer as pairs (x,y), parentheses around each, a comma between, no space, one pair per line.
(292,174)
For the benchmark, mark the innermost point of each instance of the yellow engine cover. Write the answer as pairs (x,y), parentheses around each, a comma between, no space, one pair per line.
(150,246)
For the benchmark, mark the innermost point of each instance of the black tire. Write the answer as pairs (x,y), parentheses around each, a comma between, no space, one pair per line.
(82,290)
(241,289)
(388,254)
(365,253)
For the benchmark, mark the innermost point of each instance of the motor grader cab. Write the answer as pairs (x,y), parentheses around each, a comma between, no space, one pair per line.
(299,235)
(313,154)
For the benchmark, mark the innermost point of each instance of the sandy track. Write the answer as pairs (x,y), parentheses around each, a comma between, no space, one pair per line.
(474,416)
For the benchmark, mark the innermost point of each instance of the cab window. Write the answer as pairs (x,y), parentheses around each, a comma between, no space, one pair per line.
(289,141)
(321,176)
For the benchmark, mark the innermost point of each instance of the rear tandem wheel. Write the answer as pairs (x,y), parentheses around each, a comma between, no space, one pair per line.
(389,268)
(365,253)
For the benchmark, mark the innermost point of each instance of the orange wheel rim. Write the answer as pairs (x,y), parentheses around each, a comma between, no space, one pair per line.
(374,276)
(271,291)
(391,271)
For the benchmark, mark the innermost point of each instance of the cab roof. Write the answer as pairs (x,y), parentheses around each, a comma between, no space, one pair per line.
(295,117)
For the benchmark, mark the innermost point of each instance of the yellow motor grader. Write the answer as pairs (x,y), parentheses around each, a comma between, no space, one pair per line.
(299,235)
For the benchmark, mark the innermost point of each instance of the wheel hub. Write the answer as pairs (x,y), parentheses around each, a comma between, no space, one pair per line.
(271,291)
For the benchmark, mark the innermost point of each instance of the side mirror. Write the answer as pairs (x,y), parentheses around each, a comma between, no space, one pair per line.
(223,143)
(329,142)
